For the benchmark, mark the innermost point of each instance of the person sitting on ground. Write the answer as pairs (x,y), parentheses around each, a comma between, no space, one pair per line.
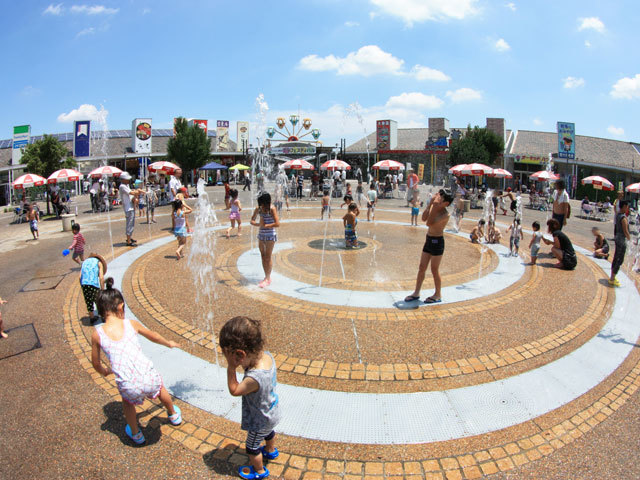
(493,233)
(562,247)
(477,233)
(600,245)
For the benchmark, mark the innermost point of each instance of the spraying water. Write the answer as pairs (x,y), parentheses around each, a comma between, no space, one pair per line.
(355,109)
(100,144)
(201,261)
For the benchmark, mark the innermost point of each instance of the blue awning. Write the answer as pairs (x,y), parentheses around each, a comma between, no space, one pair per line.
(213,166)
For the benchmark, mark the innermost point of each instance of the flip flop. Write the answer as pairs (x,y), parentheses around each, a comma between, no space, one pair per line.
(252,475)
(176,418)
(138,438)
(430,300)
(411,298)
(269,455)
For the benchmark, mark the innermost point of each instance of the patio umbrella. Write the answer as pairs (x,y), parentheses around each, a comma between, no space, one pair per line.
(335,165)
(544,176)
(28,180)
(239,166)
(163,167)
(298,165)
(64,175)
(599,183)
(456,170)
(500,173)
(475,169)
(387,165)
(633,188)
(107,171)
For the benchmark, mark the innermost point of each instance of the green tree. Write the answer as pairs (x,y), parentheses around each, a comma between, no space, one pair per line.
(45,156)
(478,145)
(190,148)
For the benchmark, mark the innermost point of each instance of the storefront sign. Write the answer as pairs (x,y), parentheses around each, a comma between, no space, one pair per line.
(222,135)
(566,140)
(21,137)
(141,134)
(308,150)
(81,138)
(243,136)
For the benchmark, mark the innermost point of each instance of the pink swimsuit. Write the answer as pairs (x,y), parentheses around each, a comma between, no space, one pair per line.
(135,376)
(234,214)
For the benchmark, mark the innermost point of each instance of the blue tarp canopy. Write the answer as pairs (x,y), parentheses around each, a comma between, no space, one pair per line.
(213,166)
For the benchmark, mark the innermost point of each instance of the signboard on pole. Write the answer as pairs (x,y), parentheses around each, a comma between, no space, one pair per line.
(421,170)
(567,140)
(203,124)
(141,134)
(21,137)
(243,136)
(222,135)
(81,138)
(307,150)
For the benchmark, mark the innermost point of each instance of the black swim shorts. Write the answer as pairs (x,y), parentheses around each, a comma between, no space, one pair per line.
(434,246)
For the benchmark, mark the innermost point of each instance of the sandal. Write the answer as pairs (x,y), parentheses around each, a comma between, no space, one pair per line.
(411,298)
(176,418)
(138,438)
(430,300)
(252,475)
(269,455)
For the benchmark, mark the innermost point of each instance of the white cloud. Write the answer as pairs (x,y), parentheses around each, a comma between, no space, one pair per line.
(86,31)
(416,11)
(587,43)
(351,24)
(53,9)
(591,23)
(367,61)
(615,131)
(573,82)
(414,100)
(425,73)
(30,91)
(511,6)
(537,122)
(464,95)
(627,87)
(145,11)
(84,112)
(502,46)
(94,10)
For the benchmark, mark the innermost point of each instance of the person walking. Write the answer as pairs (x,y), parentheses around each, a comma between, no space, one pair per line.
(129,212)
(561,208)
(621,238)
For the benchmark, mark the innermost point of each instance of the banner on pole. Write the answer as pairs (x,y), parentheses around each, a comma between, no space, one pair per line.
(222,135)
(567,140)
(243,136)
(141,134)
(21,137)
(81,138)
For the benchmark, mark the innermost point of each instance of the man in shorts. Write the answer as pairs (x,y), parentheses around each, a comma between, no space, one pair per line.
(560,204)
(437,217)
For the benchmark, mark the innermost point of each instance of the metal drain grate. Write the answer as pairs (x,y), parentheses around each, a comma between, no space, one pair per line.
(42,283)
(21,339)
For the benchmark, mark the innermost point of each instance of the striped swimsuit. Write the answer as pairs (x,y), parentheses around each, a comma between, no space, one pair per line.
(267,234)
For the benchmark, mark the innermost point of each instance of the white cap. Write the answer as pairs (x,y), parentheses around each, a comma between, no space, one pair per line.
(125,176)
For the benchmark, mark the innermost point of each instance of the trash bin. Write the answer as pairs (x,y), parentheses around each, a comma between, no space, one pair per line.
(467,206)
(67,221)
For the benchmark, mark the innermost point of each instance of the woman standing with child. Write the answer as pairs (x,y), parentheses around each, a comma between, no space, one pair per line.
(267,236)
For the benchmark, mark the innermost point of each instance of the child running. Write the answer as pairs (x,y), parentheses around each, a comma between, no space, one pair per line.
(350,223)
(516,235)
(242,344)
(267,236)
(534,244)
(136,378)
(179,225)
(77,245)
(33,218)
(372,199)
(477,233)
(326,207)
(234,214)
(415,210)
(601,245)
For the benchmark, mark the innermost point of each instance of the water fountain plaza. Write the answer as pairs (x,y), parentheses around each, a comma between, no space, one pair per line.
(505,371)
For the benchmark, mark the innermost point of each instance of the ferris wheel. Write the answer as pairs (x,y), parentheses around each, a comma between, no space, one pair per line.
(296,133)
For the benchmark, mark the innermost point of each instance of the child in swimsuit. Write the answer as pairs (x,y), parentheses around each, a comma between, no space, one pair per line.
(415,211)
(350,223)
(326,208)
(234,214)
(179,219)
(267,236)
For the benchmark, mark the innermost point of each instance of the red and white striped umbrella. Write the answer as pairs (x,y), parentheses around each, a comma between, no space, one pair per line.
(598,182)
(544,176)
(633,188)
(500,173)
(476,169)
(106,170)
(387,165)
(28,180)
(298,165)
(456,170)
(335,165)
(162,166)
(64,175)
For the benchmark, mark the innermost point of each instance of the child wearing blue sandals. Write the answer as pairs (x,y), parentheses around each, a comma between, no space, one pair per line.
(136,378)
(242,345)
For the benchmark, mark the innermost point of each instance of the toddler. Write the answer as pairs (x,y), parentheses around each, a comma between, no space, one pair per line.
(477,233)
(179,226)
(326,208)
(534,244)
(415,210)
(77,245)
(350,222)
(601,245)
(516,235)
(234,214)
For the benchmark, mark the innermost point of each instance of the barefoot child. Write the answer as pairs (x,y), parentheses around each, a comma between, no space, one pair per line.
(372,199)
(136,378)
(534,244)
(415,211)
(267,236)
(242,344)
(601,245)
(516,235)
(350,222)
(2,332)
(179,225)
(33,218)
(77,245)
(92,272)
(326,208)
(234,214)
(477,233)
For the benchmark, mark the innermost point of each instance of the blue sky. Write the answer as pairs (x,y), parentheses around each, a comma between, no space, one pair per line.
(531,62)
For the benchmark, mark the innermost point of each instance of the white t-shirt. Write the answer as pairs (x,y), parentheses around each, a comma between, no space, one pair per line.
(562,198)
(400,177)
(174,184)
(95,188)
(125,197)
(372,196)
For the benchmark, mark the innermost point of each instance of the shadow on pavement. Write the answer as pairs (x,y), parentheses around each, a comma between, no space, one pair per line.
(115,424)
